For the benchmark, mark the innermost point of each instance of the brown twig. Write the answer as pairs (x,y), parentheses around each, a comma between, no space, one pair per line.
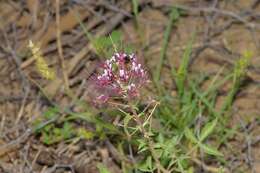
(59,45)
(58,166)
(206,167)
(248,158)
(222,12)
(25,82)
(115,154)
(113,7)
(20,113)
(15,143)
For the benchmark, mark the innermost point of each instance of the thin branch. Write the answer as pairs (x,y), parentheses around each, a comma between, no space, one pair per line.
(206,167)
(59,45)
(219,11)
(149,141)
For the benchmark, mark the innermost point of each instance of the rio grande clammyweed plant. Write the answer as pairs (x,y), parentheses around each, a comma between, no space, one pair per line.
(123,77)
(172,134)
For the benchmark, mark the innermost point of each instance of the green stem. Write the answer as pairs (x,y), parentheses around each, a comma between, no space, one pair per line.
(148,139)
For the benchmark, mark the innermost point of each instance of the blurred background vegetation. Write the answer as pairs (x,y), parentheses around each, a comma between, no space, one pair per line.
(199,113)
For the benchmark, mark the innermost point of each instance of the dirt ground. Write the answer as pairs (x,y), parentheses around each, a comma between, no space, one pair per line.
(224,30)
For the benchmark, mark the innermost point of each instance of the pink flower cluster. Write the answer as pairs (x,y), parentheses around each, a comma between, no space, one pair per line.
(121,76)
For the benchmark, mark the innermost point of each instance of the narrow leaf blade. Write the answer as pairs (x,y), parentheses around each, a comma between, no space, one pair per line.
(189,135)
(210,150)
(208,129)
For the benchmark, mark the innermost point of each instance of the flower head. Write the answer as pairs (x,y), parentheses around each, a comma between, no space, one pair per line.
(122,76)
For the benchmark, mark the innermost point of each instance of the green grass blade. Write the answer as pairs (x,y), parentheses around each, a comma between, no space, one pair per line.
(189,135)
(135,7)
(182,71)
(88,34)
(207,129)
(210,150)
(173,18)
(204,100)
(239,73)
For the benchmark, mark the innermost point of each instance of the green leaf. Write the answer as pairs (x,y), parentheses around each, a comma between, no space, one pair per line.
(182,164)
(57,131)
(173,18)
(126,121)
(142,145)
(208,129)
(146,166)
(85,134)
(158,152)
(51,113)
(174,14)
(204,99)
(129,49)
(116,36)
(46,138)
(160,138)
(100,45)
(182,71)
(135,7)
(210,150)
(67,130)
(190,170)
(189,135)
(102,168)
(170,146)
(48,128)
(103,45)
